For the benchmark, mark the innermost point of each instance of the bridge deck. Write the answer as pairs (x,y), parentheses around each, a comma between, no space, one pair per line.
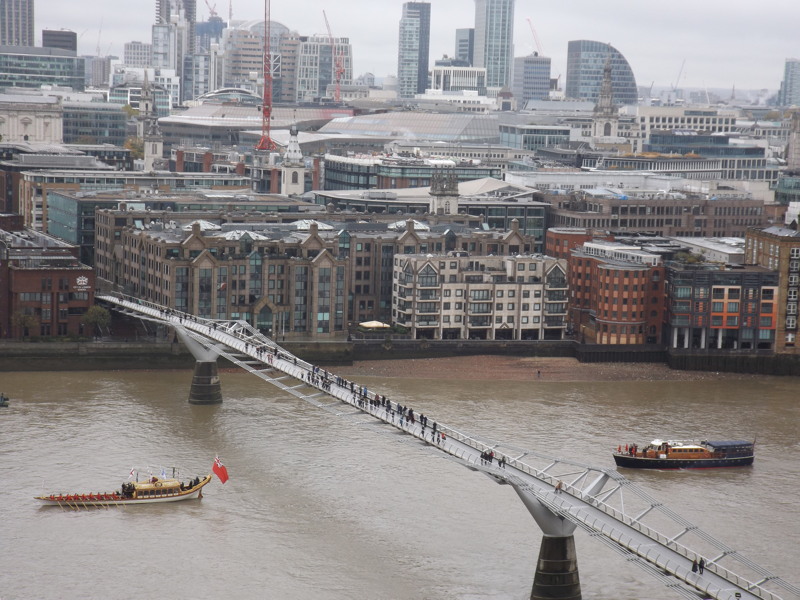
(620,514)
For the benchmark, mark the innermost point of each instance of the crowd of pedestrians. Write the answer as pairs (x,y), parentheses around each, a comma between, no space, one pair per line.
(349,391)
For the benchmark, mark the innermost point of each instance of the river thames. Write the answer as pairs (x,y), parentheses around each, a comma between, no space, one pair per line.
(325,507)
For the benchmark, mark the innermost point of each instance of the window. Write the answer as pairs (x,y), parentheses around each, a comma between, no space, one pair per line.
(499,293)
(732,321)
(733,307)
(717,306)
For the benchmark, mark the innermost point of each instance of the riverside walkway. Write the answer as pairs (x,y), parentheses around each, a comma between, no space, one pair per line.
(598,500)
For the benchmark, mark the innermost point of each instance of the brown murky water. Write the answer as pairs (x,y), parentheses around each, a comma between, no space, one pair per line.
(324,507)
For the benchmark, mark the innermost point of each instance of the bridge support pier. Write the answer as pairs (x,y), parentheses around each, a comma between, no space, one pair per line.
(556,575)
(206,388)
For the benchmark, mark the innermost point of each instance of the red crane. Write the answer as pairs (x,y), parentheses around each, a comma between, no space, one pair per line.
(338,62)
(266,143)
(211,9)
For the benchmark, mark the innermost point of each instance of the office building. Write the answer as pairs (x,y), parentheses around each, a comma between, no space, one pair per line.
(778,249)
(317,66)
(494,40)
(414,49)
(16,23)
(243,51)
(174,40)
(721,213)
(46,288)
(60,38)
(458,79)
(384,172)
(616,294)
(712,307)
(586,61)
(531,78)
(34,67)
(138,54)
(465,45)
(95,123)
(789,94)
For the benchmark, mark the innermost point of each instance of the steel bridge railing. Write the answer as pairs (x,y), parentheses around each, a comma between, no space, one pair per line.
(247,341)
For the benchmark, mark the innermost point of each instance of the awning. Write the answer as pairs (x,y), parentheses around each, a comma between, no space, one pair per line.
(374,325)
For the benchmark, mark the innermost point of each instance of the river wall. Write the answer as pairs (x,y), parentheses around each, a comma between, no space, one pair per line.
(121,355)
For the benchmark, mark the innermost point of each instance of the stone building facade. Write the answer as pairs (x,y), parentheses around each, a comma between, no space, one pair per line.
(459,296)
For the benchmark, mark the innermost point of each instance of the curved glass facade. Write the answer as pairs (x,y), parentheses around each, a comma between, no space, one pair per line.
(585,62)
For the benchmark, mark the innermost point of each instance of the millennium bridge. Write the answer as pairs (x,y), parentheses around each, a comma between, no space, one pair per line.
(562,495)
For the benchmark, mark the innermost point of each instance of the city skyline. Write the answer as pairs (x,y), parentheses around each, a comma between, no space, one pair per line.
(690,46)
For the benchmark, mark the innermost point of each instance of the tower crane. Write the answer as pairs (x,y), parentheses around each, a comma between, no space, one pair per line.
(212,10)
(266,142)
(338,63)
(535,37)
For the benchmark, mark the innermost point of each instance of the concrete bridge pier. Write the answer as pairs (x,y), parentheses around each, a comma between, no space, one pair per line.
(557,570)
(556,576)
(206,387)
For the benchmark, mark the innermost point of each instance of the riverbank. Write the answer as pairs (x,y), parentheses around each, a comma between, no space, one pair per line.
(488,367)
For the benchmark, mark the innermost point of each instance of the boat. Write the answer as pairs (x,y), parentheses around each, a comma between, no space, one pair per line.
(3,401)
(675,454)
(149,491)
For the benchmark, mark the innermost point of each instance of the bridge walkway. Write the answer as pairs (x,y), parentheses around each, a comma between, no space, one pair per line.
(600,501)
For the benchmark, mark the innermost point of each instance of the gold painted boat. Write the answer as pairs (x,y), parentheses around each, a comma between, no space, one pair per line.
(152,490)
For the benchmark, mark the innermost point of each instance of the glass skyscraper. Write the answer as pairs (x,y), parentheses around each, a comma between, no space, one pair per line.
(789,94)
(494,40)
(16,23)
(414,49)
(531,78)
(585,63)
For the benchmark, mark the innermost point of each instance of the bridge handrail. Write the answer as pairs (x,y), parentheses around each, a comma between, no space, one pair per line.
(581,516)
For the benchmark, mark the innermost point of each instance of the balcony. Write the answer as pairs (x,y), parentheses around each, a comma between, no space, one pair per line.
(479,322)
(426,323)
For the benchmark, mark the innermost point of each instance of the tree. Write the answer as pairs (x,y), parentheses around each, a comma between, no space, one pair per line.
(96,318)
(130,111)
(24,323)
(136,146)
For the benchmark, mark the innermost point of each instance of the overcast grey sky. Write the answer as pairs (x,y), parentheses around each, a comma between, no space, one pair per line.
(723,43)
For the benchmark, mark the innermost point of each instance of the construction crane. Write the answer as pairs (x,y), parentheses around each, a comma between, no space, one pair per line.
(212,10)
(338,63)
(535,37)
(266,142)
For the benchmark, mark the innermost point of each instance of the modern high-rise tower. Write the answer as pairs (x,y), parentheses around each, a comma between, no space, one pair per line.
(414,49)
(586,61)
(531,78)
(16,23)
(465,45)
(789,94)
(494,40)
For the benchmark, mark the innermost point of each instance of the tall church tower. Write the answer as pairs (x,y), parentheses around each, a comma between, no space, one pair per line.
(606,114)
(150,132)
(444,193)
(293,168)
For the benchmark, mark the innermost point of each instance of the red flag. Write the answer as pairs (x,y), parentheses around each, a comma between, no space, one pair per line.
(220,470)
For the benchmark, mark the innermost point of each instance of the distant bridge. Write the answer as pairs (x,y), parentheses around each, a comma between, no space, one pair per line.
(600,501)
